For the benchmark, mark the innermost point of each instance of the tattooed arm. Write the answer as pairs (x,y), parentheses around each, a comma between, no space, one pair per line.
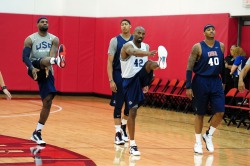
(194,56)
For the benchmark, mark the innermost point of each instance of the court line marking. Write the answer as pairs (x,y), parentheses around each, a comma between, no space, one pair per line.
(21,115)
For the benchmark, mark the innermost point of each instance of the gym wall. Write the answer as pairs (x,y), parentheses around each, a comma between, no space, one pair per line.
(87,40)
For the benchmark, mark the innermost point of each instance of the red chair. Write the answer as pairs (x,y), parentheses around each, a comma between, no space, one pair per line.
(244,112)
(175,99)
(155,95)
(232,111)
(184,103)
(164,96)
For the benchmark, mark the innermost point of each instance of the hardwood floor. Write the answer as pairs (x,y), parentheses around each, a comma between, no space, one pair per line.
(85,125)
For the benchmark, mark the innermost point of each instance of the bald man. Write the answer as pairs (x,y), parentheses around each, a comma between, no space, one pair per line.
(137,73)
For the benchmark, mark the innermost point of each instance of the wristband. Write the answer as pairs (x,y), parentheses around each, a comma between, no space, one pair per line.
(110,80)
(4,87)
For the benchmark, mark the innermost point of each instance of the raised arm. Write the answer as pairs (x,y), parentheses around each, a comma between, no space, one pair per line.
(128,50)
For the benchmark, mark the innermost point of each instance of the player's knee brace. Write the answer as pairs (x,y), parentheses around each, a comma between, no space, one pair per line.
(117,113)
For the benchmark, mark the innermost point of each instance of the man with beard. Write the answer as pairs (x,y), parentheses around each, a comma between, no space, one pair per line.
(137,73)
(115,81)
(207,62)
(39,54)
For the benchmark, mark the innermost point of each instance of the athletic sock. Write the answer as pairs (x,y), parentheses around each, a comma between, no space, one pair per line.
(124,121)
(210,130)
(198,137)
(132,143)
(39,126)
(117,128)
(52,61)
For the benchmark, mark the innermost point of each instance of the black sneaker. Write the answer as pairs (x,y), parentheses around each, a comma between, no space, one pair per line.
(124,133)
(37,137)
(134,151)
(118,139)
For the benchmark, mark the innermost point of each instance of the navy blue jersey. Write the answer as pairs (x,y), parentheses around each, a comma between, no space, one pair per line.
(211,61)
(120,43)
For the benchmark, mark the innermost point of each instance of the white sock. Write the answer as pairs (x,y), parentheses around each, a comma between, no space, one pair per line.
(211,130)
(124,121)
(132,143)
(39,126)
(117,128)
(52,61)
(198,137)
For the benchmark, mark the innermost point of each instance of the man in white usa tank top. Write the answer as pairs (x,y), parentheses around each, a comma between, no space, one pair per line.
(137,73)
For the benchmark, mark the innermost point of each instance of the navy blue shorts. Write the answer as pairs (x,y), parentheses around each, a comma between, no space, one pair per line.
(46,85)
(118,97)
(132,87)
(208,90)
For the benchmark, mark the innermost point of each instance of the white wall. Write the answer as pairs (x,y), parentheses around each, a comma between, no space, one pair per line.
(116,8)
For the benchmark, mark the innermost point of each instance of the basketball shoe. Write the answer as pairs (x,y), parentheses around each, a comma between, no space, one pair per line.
(198,148)
(60,59)
(162,57)
(134,151)
(209,143)
(37,137)
(124,133)
(118,139)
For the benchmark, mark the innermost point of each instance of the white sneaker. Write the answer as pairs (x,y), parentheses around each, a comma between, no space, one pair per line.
(118,139)
(162,54)
(209,143)
(198,148)
(37,137)
(134,151)
(124,135)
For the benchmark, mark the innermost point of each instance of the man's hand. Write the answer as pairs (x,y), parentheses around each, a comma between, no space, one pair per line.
(152,53)
(189,93)
(8,95)
(34,73)
(241,86)
(145,89)
(113,86)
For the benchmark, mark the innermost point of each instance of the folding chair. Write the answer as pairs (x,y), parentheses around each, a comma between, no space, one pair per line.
(244,112)
(233,111)
(164,96)
(161,88)
(174,97)
(184,103)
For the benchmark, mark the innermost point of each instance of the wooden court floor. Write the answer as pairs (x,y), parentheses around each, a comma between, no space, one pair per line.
(85,125)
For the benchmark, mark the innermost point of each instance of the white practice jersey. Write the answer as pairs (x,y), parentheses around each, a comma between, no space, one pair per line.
(133,64)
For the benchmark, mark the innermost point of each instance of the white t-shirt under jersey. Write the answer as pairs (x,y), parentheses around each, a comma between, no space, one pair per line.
(133,64)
